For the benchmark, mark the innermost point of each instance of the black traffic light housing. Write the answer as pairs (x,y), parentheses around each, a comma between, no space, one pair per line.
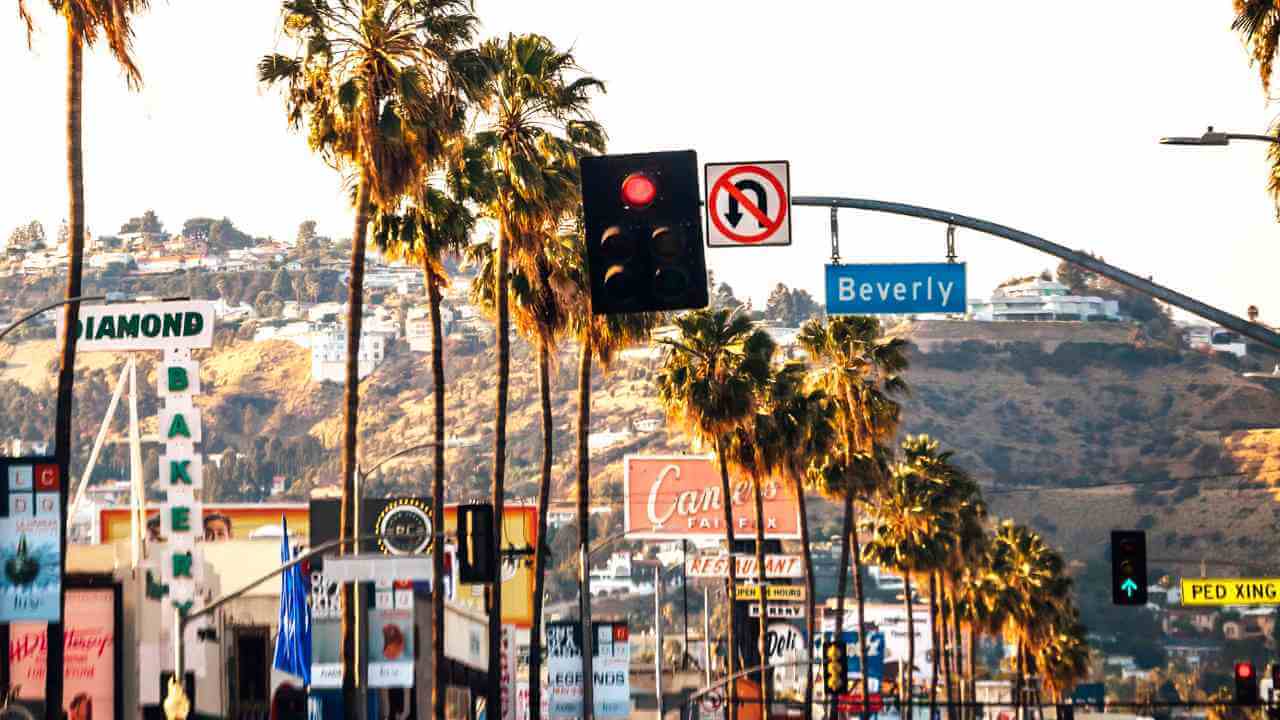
(1246,684)
(1128,567)
(475,543)
(643,223)
(834,663)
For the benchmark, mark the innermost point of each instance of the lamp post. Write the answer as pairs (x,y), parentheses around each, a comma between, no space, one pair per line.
(1213,138)
(43,309)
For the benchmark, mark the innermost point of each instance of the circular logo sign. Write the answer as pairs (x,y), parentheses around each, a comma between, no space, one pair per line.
(404,527)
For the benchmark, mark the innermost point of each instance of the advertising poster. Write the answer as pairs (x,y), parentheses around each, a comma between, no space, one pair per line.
(220,521)
(611,661)
(30,543)
(390,648)
(90,676)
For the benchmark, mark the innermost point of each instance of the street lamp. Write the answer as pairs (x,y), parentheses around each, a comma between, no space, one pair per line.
(50,306)
(1212,138)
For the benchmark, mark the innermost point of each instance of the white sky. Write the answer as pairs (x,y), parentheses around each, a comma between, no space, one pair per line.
(1041,116)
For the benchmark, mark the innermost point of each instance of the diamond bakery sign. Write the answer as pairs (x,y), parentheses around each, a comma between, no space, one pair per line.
(673,497)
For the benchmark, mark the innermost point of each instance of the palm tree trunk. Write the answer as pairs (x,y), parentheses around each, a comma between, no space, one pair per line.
(540,554)
(437,493)
(842,584)
(937,644)
(766,676)
(494,700)
(71,316)
(810,605)
(911,645)
(350,417)
(973,665)
(1018,681)
(726,504)
(862,611)
(584,525)
(951,650)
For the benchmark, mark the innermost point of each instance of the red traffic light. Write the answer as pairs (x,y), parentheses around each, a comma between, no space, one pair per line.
(1244,670)
(638,190)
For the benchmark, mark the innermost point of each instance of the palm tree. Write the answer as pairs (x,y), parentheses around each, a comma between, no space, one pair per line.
(1258,23)
(381,86)
(600,338)
(800,434)
(538,119)
(542,299)
(912,532)
(87,22)
(710,384)
(433,224)
(861,372)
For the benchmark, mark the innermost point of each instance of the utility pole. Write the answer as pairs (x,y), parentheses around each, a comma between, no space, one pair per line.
(657,635)
(684,591)
(706,632)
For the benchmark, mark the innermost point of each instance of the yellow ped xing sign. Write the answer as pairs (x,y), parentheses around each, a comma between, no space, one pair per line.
(1231,591)
(794,593)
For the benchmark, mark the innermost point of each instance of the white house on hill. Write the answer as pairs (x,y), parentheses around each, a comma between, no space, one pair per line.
(1041,299)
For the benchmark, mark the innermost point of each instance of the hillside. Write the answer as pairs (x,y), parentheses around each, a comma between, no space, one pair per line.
(1033,410)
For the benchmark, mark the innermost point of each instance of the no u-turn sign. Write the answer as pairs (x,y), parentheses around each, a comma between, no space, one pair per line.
(748,204)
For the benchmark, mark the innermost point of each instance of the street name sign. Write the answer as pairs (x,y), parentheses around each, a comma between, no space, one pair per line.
(790,593)
(717,566)
(1232,591)
(748,203)
(895,288)
(116,327)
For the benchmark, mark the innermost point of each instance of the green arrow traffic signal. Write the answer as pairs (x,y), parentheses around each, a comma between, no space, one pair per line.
(1129,587)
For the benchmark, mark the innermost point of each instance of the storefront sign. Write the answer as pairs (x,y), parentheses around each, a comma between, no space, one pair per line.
(789,593)
(89,687)
(30,541)
(717,566)
(611,653)
(675,497)
(221,521)
(144,326)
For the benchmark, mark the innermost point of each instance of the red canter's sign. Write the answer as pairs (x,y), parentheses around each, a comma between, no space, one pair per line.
(675,497)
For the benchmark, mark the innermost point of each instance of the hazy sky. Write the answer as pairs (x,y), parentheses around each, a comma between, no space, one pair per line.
(1042,116)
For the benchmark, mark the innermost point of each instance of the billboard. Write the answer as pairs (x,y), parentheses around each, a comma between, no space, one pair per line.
(120,327)
(520,531)
(89,687)
(221,521)
(673,497)
(30,539)
(611,660)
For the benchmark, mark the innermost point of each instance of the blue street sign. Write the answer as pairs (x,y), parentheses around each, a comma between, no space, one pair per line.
(895,288)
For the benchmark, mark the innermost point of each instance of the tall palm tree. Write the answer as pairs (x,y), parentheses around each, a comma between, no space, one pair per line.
(801,434)
(433,224)
(600,338)
(1258,23)
(710,384)
(381,86)
(861,371)
(542,298)
(87,21)
(912,532)
(538,119)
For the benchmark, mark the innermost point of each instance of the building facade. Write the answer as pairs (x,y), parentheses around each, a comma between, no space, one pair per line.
(1041,299)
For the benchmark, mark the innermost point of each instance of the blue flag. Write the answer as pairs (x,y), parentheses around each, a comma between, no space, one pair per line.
(293,641)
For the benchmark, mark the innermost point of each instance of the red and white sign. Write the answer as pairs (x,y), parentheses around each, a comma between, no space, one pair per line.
(90,679)
(672,497)
(853,703)
(717,566)
(748,204)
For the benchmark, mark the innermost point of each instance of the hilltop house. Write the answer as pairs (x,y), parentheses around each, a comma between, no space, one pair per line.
(329,354)
(1041,299)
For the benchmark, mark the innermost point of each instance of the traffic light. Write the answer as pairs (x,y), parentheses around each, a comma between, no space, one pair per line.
(1246,684)
(475,543)
(834,664)
(644,232)
(1128,567)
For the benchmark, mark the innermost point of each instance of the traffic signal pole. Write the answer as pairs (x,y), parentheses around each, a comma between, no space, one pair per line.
(1235,323)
